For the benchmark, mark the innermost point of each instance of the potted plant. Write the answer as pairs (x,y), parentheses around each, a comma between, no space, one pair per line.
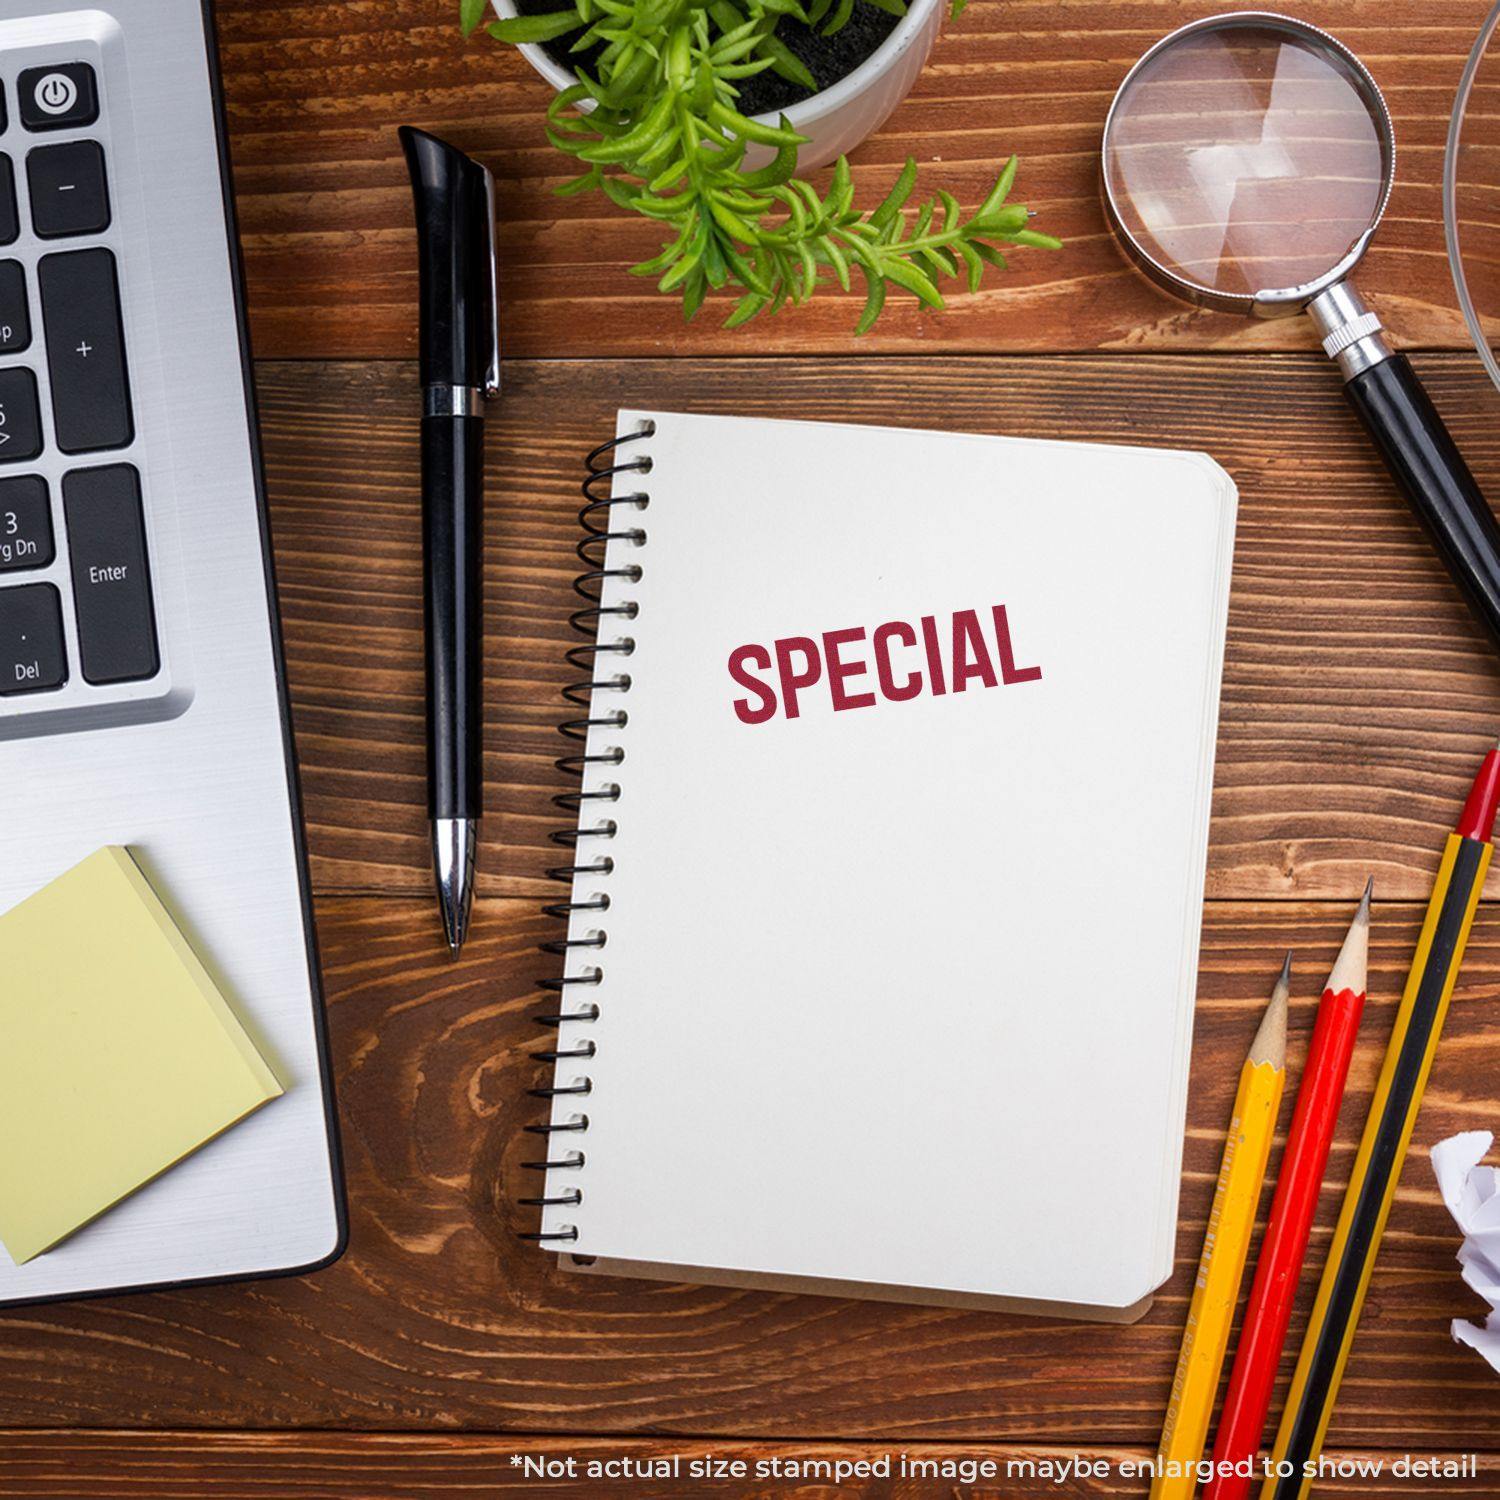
(696,113)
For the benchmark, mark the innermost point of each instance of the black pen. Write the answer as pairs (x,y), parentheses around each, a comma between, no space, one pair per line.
(460,358)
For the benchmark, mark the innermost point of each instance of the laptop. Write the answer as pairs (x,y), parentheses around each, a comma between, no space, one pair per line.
(142,690)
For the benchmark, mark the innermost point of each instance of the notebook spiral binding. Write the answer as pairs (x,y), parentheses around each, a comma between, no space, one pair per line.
(605,465)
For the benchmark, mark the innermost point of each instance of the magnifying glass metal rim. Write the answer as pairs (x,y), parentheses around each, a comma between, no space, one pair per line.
(1271,302)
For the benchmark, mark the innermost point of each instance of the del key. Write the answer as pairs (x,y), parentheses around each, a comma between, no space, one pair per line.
(86,351)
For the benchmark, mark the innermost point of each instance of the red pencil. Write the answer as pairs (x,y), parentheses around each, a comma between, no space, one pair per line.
(1279,1268)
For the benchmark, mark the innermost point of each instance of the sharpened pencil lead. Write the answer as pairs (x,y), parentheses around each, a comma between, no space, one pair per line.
(1350,967)
(1269,1045)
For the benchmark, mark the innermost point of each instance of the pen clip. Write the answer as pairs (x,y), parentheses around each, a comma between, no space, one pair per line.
(492,374)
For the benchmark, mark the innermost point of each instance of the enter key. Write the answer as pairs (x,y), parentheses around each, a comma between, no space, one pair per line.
(111,575)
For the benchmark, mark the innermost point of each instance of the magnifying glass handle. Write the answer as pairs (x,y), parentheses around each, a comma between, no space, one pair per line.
(1417,448)
(1425,462)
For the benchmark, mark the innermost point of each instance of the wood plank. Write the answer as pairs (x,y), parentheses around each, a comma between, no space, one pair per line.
(1358,695)
(315,93)
(439,1317)
(391,1466)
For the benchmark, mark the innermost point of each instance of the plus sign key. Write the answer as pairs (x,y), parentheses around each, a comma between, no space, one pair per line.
(58,96)
(33,658)
(86,351)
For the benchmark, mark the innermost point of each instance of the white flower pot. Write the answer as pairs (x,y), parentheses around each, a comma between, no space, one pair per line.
(838,119)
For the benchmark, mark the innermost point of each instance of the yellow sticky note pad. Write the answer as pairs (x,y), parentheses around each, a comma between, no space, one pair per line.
(118,1054)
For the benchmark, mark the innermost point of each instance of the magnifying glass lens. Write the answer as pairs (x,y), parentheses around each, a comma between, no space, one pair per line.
(1246,159)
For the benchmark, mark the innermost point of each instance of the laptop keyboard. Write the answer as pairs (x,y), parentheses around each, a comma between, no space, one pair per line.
(76,599)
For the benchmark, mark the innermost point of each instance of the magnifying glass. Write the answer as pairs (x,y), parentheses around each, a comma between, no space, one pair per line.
(1247,161)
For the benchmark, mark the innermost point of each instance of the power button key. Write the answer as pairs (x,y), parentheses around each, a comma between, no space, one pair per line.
(58,97)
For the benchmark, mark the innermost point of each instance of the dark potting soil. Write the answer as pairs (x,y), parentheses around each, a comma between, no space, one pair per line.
(827,58)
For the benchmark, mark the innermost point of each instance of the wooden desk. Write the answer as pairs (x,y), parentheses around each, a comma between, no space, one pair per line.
(1357,698)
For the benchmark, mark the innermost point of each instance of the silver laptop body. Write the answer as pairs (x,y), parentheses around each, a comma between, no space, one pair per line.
(142,693)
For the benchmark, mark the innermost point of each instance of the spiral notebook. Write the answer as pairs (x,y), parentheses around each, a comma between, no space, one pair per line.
(896,760)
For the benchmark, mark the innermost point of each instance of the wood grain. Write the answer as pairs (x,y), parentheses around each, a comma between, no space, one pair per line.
(438,1318)
(389,1466)
(1358,695)
(316,91)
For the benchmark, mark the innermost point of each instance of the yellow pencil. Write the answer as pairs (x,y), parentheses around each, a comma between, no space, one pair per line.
(1225,1249)
(1382,1149)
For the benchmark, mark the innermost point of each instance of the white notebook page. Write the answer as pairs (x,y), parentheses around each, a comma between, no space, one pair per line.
(901,993)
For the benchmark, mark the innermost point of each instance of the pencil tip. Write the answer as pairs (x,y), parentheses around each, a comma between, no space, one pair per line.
(1269,1045)
(1351,966)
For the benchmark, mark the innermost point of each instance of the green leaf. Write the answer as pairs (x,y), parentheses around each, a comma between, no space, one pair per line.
(840,190)
(904,274)
(957,9)
(746,70)
(745,309)
(809,270)
(535,28)
(636,140)
(746,271)
(786,62)
(840,265)
(1007,220)
(619,192)
(895,200)
(669,175)
(732,224)
(840,18)
(713,261)
(1037,241)
(693,293)
(576,185)
(470,14)
(873,304)
(752,130)
(971,259)
(565,100)
(777,171)
(668,255)
(680,272)
(941,261)
(1001,190)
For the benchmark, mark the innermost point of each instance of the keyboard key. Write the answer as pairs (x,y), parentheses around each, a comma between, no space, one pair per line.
(69,194)
(32,655)
(15,311)
(10,215)
(86,351)
(20,417)
(111,575)
(58,96)
(25,524)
